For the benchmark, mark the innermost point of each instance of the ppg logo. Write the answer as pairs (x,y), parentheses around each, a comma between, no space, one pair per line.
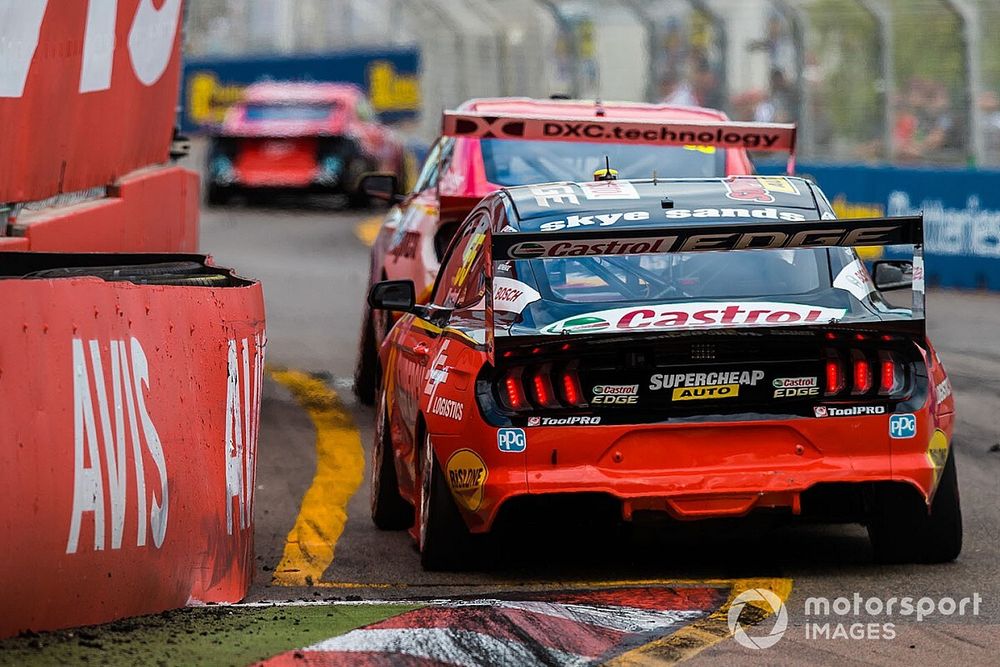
(902,426)
(511,440)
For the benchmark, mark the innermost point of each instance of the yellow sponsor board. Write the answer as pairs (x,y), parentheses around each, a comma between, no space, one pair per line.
(467,474)
(702,393)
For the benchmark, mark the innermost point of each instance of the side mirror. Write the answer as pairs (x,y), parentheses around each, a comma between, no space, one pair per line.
(892,275)
(397,295)
(381,185)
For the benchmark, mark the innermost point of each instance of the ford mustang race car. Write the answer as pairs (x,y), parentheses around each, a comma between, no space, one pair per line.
(492,143)
(690,349)
(309,137)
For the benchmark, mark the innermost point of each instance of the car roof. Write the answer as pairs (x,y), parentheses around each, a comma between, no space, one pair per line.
(686,200)
(289,92)
(589,109)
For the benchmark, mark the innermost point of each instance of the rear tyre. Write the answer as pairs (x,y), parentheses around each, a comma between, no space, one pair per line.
(903,531)
(444,540)
(217,195)
(366,373)
(389,510)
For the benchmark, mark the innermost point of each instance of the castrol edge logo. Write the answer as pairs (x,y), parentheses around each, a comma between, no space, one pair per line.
(705,315)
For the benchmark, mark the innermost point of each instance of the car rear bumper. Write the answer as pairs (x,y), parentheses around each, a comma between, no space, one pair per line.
(705,470)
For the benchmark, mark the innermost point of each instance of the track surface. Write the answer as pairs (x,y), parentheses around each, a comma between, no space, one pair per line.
(314,270)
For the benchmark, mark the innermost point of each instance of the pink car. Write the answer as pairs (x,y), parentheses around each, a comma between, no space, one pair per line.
(492,143)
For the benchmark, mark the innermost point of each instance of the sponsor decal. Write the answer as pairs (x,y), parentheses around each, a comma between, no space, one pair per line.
(609,190)
(511,440)
(123,425)
(616,394)
(902,426)
(854,278)
(438,372)
(768,213)
(512,296)
(759,188)
(445,407)
(701,393)
(467,474)
(245,378)
(728,238)
(754,136)
(601,220)
(554,194)
(855,411)
(937,452)
(675,380)
(918,273)
(695,316)
(943,390)
(795,387)
(407,246)
(564,421)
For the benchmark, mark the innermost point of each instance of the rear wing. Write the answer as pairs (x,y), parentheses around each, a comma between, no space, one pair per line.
(773,137)
(606,242)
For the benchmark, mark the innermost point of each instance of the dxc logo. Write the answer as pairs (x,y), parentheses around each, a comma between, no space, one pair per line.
(902,426)
(487,127)
(511,440)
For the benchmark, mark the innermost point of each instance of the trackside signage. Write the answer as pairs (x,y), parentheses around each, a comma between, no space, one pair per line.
(753,136)
(128,449)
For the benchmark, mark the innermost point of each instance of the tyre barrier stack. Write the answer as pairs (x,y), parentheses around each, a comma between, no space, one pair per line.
(130,392)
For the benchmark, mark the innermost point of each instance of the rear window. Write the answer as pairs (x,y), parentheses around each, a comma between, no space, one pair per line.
(521,162)
(266,112)
(699,275)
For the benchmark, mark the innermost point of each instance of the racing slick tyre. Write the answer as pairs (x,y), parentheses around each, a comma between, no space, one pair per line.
(217,195)
(389,510)
(444,540)
(365,375)
(903,531)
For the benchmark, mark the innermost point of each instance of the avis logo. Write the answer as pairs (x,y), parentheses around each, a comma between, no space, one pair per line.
(902,426)
(245,369)
(511,440)
(150,42)
(123,426)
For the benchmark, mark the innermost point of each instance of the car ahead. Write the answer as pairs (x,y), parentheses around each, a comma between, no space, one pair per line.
(492,143)
(694,349)
(306,137)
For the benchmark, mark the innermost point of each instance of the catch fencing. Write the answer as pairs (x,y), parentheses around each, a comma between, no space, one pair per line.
(899,81)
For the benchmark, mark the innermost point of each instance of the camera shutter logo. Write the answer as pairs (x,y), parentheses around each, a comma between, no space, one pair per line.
(766,639)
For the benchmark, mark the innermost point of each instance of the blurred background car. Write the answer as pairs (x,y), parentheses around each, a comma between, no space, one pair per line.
(307,137)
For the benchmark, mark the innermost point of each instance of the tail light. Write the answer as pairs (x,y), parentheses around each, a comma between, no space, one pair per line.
(862,371)
(543,386)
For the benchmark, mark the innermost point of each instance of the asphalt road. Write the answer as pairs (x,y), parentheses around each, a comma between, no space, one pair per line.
(314,271)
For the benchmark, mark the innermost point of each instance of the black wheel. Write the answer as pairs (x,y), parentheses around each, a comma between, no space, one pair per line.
(366,372)
(389,510)
(903,531)
(217,195)
(444,540)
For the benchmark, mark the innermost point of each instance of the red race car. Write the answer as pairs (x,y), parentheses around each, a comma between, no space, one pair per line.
(697,348)
(492,143)
(308,137)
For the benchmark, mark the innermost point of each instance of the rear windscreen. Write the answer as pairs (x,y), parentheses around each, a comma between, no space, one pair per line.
(510,162)
(267,112)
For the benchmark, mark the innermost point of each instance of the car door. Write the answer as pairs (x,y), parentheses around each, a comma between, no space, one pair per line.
(424,353)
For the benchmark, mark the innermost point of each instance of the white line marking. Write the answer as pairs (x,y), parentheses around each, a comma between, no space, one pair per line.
(458,647)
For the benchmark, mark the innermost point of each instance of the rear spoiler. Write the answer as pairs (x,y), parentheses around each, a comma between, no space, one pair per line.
(904,230)
(774,137)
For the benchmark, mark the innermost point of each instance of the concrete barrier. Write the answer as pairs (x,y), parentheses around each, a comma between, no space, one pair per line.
(129,438)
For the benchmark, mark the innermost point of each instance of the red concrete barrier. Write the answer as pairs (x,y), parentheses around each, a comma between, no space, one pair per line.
(128,443)
(150,210)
